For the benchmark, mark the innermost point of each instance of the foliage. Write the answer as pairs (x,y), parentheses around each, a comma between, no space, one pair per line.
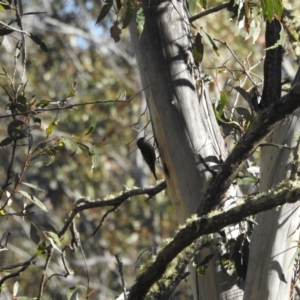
(70,115)
(67,130)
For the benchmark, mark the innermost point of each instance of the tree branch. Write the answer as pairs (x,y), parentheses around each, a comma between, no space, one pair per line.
(209,11)
(272,66)
(83,204)
(196,227)
(266,121)
(24,266)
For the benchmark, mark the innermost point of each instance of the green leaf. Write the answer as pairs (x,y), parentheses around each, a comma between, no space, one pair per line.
(192,5)
(119,4)
(198,48)
(209,41)
(50,128)
(43,103)
(267,9)
(84,148)
(51,156)
(53,238)
(6,5)
(52,235)
(33,186)
(6,141)
(21,107)
(201,270)
(89,131)
(39,42)
(128,14)
(16,134)
(270,10)
(247,180)
(104,11)
(47,226)
(278,8)
(244,94)
(33,234)
(203,3)
(221,104)
(41,248)
(244,112)
(33,199)
(15,124)
(140,21)
(69,143)
(95,159)
(21,99)
(72,290)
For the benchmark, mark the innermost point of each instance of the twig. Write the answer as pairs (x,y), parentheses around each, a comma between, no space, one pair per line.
(76,241)
(17,273)
(63,258)
(41,110)
(104,217)
(15,29)
(275,145)
(83,204)
(207,167)
(238,61)
(23,264)
(42,283)
(24,50)
(120,269)
(151,250)
(5,235)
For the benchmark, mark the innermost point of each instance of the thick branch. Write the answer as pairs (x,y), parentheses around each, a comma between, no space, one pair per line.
(195,228)
(272,67)
(262,126)
(209,11)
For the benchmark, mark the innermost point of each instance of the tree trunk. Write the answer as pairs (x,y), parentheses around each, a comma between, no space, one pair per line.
(187,133)
(271,268)
(183,122)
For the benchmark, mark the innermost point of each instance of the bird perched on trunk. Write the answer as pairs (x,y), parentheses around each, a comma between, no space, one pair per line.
(148,153)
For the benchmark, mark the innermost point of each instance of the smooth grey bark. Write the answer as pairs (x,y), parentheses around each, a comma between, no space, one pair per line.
(184,125)
(270,271)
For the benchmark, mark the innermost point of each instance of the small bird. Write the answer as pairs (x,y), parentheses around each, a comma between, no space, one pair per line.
(148,153)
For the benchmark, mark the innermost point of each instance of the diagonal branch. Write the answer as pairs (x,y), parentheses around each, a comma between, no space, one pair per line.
(24,266)
(196,227)
(266,121)
(209,11)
